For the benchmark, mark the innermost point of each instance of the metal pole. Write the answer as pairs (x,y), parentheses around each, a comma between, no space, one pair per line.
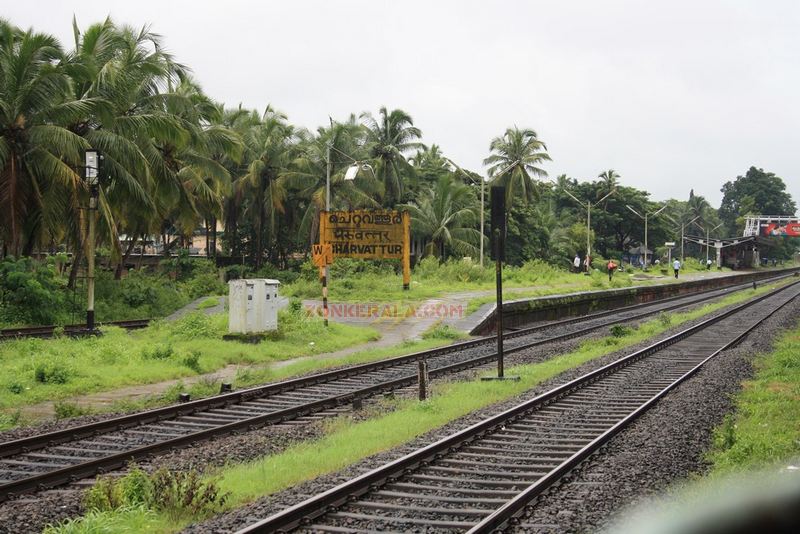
(707,246)
(90,259)
(483,184)
(683,231)
(645,242)
(498,238)
(327,208)
(588,234)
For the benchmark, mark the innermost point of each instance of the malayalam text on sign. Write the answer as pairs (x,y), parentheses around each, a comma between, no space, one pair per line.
(365,233)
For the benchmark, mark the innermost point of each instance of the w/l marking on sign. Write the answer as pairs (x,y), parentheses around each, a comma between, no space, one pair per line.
(322,254)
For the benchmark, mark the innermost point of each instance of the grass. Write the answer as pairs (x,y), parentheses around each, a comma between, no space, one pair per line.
(210,302)
(35,370)
(751,449)
(259,375)
(347,441)
(353,282)
(765,428)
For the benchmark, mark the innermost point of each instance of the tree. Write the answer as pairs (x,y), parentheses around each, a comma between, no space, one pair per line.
(389,138)
(446,216)
(757,192)
(39,155)
(270,145)
(513,162)
(610,180)
(307,174)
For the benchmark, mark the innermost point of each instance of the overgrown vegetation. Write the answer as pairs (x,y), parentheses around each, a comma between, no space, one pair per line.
(37,293)
(139,502)
(765,426)
(36,370)
(350,440)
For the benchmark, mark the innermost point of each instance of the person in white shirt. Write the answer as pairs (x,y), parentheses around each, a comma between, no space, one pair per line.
(577,263)
(676,265)
(708,264)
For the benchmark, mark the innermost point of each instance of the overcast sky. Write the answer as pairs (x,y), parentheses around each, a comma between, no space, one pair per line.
(674,96)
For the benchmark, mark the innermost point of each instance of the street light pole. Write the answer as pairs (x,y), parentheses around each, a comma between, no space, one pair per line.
(646,216)
(708,232)
(351,173)
(683,233)
(588,205)
(92,159)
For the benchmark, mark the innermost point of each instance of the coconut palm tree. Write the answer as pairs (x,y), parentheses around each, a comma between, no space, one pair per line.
(269,147)
(307,174)
(514,161)
(389,139)
(610,179)
(125,71)
(38,154)
(446,215)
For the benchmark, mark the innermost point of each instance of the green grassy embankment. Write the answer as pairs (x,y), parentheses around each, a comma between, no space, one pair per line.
(348,441)
(764,430)
(36,370)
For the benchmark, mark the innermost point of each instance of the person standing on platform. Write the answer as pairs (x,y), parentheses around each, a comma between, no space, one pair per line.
(708,264)
(576,263)
(676,266)
(611,267)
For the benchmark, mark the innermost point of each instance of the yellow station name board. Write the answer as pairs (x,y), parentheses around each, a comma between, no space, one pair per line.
(368,234)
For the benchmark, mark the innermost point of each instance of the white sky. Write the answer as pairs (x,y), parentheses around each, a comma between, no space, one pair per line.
(672,95)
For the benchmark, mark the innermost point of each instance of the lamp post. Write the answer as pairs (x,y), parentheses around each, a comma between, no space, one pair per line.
(483,187)
(645,217)
(349,175)
(708,242)
(91,168)
(588,205)
(683,226)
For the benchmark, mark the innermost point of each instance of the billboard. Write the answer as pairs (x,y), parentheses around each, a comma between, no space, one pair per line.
(782,229)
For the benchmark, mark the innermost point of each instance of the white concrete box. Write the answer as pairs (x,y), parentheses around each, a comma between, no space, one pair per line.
(252,305)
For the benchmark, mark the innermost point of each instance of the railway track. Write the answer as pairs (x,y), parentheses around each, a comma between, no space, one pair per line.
(67,455)
(69,330)
(482,478)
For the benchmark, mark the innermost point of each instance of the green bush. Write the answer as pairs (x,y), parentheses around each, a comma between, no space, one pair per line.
(283,276)
(179,494)
(66,410)
(619,330)
(441,331)
(195,325)
(160,351)
(51,372)
(192,361)
(15,387)
(31,292)
(202,279)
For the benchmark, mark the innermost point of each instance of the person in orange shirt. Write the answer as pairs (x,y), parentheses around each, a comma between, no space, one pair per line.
(611,267)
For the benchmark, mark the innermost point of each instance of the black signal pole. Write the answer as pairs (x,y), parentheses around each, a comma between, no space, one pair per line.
(498,199)
(498,269)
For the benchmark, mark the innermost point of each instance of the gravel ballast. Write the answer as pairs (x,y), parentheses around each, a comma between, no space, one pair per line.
(31,514)
(714,385)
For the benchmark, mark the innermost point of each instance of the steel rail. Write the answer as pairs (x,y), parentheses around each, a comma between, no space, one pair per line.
(71,329)
(219,401)
(113,461)
(316,506)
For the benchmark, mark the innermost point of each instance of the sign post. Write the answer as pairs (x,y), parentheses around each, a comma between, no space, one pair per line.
(669,245)
(498,215)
